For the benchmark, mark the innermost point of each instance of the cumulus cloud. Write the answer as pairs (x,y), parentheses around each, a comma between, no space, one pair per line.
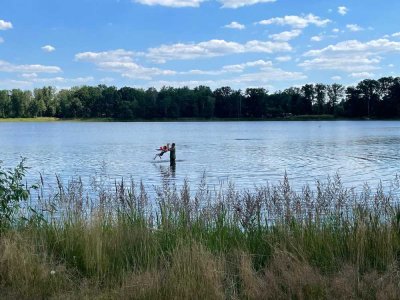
(121,61)
(107,80)
(362,75)
(14,84)
(350,56)
(316,38)
(119,55)
(171,3)
(29,75)
(12,68)
(283,58)
(212,48)
(377,46)
(4,25)
(196,3)
(342,10)
(235,25)
(48,48)
(241,3)
(337,78)
(397,34)
(263,77)
(62,80)
(354,27)
(236,68)
(297,21)
(285,35)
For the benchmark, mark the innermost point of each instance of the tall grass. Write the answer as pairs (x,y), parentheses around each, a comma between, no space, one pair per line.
(271,242)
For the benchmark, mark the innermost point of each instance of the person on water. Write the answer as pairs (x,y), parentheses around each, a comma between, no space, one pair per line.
(163,150)
(172,155)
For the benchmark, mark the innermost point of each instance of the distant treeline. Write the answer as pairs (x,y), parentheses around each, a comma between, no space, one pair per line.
(369,98)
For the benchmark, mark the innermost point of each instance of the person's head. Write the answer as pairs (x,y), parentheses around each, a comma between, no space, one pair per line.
(173,145)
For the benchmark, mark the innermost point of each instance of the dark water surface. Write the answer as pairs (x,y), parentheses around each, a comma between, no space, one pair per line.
(246,153)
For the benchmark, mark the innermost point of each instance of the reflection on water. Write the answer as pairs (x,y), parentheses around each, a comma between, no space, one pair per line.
(246,153)
(167,171)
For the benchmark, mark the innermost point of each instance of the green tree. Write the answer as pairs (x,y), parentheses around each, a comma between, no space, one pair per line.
(4,104)
(20,101)
(370,94)
(335,95)
(320,91)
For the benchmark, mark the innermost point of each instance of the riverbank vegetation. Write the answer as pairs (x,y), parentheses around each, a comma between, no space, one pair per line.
(191,242)
(368,99)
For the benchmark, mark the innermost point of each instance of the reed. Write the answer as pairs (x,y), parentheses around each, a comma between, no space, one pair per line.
(273,242)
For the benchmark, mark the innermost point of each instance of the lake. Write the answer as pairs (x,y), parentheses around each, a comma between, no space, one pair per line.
(245,153)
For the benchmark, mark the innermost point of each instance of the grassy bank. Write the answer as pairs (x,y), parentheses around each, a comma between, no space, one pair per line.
(289,118)
(194,243)
(39,119)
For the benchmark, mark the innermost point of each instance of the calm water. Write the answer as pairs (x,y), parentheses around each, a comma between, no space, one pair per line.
(246,153)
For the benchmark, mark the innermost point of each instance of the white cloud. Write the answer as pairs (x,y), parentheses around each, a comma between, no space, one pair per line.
(362,75)
(342,10)
(297,21)
(32,81)
(58,80)
(107,80)
(121,61)
(380,45)
(29,75)
(347,63)
(8,67)
(257,79)
(212,48)
(237,68)
(14,84)
(285,35)
(316,38)
(248,74)
(5,25)
(119,55)
(335,30)
(171,3)
(354,27)
(397,34)
(48,48)
(235,25)
(241,3)
(350,56)
(337,78)
(283,58)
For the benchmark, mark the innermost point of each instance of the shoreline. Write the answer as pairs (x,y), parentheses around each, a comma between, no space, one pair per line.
(293,118)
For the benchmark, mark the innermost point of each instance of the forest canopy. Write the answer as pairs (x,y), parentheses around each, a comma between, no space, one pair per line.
(368,99)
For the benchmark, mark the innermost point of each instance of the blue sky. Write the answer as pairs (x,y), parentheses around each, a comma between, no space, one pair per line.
(273,44)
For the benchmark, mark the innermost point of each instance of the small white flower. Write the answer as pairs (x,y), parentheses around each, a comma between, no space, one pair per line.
(52,272)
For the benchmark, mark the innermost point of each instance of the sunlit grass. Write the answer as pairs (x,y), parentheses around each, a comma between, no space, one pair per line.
(38,119)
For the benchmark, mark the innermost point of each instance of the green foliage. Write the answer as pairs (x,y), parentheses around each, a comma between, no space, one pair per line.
(368,99)
(271,243)
(13,192)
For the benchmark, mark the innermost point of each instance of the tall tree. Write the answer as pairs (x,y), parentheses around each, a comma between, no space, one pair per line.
(370,94)
(320,94)
(4,104)
(309,98)
(20,101)
(335,95)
